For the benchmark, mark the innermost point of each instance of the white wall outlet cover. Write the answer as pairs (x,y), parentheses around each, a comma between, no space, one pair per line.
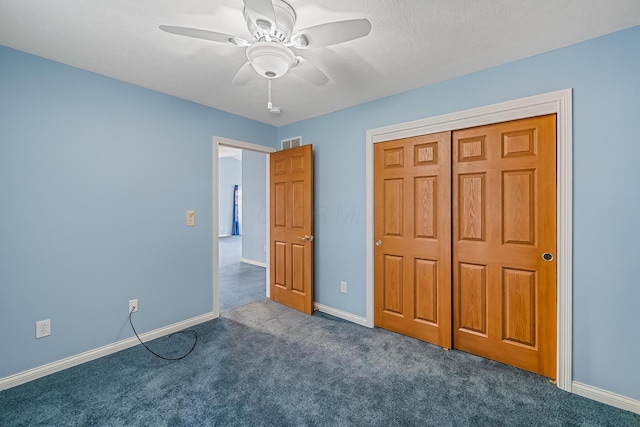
(43,328)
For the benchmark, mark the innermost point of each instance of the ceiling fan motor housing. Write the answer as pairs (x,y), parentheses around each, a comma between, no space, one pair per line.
(267,31)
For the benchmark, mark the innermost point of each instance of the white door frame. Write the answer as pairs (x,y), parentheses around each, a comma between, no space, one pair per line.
(554,102)
(217,142)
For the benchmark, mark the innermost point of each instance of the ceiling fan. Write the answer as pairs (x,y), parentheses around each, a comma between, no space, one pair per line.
(271,53)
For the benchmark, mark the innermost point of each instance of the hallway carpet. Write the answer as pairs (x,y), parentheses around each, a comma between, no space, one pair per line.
(239,283)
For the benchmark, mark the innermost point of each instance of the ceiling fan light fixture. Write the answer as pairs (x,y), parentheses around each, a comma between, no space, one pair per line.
(270,59)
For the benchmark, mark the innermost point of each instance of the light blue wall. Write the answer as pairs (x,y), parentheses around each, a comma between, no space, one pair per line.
(254,202)
(230,174)
(95,179)
(96,176)
(605,76)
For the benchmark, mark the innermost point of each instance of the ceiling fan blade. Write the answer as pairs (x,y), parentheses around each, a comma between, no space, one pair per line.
(331,33)
(244,74)
(310,72)
(261,10)
(204,34)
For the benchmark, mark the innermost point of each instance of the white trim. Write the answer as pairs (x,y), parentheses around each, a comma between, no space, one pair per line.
(252,262)
(267,184)
(341,314)
(554,102)
(243,145)
(607,397)
(217,141)
(87,356)
(564,233)
(216,224)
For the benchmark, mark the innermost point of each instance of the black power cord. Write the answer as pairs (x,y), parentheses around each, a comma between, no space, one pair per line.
(195,334)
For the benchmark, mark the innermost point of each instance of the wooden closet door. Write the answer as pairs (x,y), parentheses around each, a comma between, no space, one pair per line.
(412,228)
(504,234)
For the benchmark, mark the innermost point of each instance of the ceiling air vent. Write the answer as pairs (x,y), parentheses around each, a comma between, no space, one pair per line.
(291,142)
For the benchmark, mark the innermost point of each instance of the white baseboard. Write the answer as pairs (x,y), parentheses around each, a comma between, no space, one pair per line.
(607,397)
(59,365)
(252,262)
(341,314)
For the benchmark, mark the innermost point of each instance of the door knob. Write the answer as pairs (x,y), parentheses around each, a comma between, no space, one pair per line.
(306,238)
(378,242)
(547,256)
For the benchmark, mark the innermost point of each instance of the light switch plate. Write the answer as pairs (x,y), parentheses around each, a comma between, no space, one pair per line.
(191,218)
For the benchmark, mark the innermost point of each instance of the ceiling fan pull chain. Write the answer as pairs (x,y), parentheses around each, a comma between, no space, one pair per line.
(269,104)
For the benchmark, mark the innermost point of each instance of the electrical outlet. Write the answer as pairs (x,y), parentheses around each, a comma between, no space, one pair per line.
(133,305)
(343,287)
(43,328)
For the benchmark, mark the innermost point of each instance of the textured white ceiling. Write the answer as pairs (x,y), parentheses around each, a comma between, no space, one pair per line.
(413,43)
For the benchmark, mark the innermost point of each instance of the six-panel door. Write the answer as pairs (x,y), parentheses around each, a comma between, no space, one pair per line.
(504,221)
(412,193)
(291,210)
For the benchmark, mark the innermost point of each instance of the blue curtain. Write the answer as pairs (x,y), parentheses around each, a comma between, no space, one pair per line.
(235,228)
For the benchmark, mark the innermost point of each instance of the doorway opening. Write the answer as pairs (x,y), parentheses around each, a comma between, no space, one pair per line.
(240,223)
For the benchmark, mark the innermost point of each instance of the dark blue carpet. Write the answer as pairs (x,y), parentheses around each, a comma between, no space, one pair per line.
(239,283)
(263,364)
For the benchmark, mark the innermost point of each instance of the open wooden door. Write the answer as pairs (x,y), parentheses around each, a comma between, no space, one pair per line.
(291,279)
(412,227)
